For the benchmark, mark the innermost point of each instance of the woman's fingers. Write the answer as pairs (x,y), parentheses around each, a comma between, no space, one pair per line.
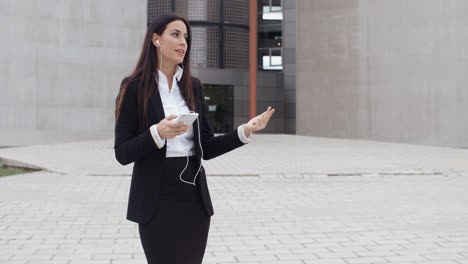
(175,124)
(174,129)
(183,130)
(170,117)
(260,121)
(269,113)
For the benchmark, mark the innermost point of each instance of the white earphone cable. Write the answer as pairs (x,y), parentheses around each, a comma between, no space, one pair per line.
(186,165)
(160,51)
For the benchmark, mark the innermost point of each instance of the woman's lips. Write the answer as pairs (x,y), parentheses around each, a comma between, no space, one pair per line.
(180,52)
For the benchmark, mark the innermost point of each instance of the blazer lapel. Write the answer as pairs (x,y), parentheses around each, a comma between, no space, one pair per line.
(156,102)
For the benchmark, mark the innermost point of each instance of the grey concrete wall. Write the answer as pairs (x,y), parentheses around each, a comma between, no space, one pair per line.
(61,62)
(384,70)
(269,93)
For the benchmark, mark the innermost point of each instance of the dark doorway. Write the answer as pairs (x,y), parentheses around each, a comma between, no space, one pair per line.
(220,101)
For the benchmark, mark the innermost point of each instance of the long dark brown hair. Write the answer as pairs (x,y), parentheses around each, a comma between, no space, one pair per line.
(145,69)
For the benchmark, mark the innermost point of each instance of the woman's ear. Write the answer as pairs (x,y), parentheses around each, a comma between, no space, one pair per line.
(155,37)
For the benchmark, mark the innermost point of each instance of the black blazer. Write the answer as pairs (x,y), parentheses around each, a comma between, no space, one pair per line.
(133,144)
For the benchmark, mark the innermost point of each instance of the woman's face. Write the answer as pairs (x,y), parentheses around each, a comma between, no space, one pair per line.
(173,42)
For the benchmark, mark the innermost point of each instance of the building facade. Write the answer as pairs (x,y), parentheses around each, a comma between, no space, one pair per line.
(373,70)
(383,70)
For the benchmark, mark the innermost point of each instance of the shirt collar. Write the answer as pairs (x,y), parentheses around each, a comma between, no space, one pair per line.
(178,74)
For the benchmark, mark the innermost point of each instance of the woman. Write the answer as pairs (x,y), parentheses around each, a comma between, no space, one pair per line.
(169,197)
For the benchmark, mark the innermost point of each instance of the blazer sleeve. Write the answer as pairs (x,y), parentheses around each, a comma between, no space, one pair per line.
(129,144)
(212,145)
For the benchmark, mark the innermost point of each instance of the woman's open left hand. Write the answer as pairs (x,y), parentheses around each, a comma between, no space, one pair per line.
(259,122)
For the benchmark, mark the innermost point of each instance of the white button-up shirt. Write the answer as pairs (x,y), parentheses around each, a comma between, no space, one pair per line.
(174,103)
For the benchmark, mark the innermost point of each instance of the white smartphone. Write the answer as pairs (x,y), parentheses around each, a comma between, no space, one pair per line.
(188,118)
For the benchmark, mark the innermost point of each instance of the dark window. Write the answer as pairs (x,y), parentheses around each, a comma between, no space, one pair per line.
(220,101)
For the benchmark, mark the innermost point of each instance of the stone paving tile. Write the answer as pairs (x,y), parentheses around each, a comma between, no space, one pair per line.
(75,218)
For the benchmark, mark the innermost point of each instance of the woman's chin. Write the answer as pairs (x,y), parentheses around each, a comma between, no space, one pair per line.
(178,61)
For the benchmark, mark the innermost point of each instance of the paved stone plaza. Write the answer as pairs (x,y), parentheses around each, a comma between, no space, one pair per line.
(281,199)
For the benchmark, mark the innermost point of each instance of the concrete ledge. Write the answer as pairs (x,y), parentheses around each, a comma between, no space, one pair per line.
(18,164)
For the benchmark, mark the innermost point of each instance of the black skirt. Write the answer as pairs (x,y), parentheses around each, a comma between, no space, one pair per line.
(178,231)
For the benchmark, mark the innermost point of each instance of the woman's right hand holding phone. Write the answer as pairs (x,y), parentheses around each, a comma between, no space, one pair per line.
(169,129)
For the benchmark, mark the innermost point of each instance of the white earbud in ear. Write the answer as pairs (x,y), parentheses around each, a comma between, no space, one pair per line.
(157,42)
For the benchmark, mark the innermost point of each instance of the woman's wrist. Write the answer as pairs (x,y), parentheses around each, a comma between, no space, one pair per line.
(159,128)
(246,130)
